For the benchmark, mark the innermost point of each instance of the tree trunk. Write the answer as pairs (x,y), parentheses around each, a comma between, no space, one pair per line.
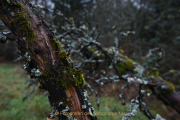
(45,60)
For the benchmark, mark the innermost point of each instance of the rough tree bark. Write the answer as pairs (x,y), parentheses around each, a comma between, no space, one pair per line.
(45,60)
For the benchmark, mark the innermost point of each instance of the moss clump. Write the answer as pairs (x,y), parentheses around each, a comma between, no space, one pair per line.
(122,56)
(21,18)
(170,88)
(19,5)
(62,55)
(129,63)
(56,45)
(70,77)
(65,79)
(148,91)
(71,19)
(122,67)
(66,76)
(92,50)
(79,78)
(155,73)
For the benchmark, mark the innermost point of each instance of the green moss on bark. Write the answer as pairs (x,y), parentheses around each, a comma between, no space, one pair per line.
(21,18)
(170,88)
(56,44)
(129,63)
(155,74)
(122,67)
(66,76)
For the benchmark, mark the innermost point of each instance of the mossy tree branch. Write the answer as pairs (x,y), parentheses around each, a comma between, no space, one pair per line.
(54,70)
(161,88)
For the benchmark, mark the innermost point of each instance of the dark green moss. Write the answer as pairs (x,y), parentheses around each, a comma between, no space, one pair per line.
(62,55)
(148,91)
(79,78)
(155,74)
(122,56)
(92,50)
(122,67)
(71,77)
(170,88)
(21,18)
(129,63)
(66,76)
(19,5)
(56,44)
